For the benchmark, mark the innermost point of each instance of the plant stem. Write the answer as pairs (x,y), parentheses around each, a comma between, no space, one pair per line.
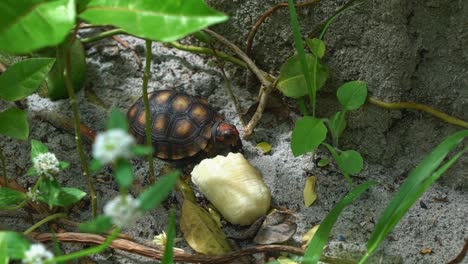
(88,251)
(425,108)
(103,35)
(301,53)
(202,50)
(76,119)
(148,126)
(43,221)
(302,106)
(2,158)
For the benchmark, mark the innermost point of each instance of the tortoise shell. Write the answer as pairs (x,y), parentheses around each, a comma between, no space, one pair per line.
(181,124)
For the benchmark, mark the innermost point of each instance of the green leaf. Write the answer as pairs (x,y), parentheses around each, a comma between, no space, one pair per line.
(316,46)
(307,135)
(14,123)
(140,150)
(54,86)
(316,245)
(49,192)
(9,197)
(37,148)
(117,119)
(16,244)
(419,179)
(337,124)
(291,81)
(4,259)
(352,94)
(98,225)
(155,194)
(159,20)
(63,165)
(26,26)
(123,173)
(203,37)
(23,78)
(168,255)
(32,172)
(95,165)
(69,196)
(350,161)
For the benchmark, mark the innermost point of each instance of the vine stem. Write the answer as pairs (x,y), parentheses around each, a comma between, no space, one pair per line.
(76,119)
(3,159)
(425,108)
(148,126)
(88,251)
(43,221)
(103,35)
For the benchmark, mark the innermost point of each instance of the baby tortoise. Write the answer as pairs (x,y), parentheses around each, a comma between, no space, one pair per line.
(183,126)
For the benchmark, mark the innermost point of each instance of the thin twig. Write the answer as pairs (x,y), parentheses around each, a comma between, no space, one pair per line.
(76,119)
(459,258)
(148,125)
(202,50)
(265,15)
(127,46)
(63,122)
(425,108)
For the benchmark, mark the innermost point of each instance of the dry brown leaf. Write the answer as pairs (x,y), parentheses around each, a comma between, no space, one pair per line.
(309,191)
(201,232)
(425,251)
(278,227)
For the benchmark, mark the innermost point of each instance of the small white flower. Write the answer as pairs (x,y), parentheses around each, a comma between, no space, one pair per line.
(46,163)
(123,211)
(37,254)
(32,195)
(160,239)
(112,144)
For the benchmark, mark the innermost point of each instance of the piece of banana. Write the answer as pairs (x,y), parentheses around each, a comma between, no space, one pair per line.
(234,187)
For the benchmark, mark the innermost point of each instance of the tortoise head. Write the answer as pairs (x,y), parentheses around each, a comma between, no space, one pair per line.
(227,134)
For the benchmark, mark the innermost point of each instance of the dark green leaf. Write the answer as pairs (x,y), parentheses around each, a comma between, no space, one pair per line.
(55,87)
(161,20)
(291,81)
(140,150)
(26,26)
(350,161)
(69,196)
(37,148)
(316,46)
(9,197)
(352,94)
(4,259)
(337,124)
(95,165)
(117,119)
(415,185)
(168,248)
(323,162)
(98,225)
(23,78)
(203,37)
(307,135)
(14,123)
(123,173)
(314,250)
(155,194)
(16,244)
(63,165)
(49,192)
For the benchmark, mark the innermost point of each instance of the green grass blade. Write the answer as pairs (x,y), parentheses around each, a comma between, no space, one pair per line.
(169,247)
(314,250)
(301,53)
(414,186)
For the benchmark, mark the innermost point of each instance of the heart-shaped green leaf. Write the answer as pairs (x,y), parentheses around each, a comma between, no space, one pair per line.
(159,20)
(9,197)
(23,78)
(350,161)
(26,26)
(14,123)
(291,81)
(307,135)
(316,46)
(352,94)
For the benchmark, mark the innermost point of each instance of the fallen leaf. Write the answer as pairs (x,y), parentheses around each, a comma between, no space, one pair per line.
(265,147)
(202,232)
(285,260)
(323,162)
(278,227)
(425,251)
(215,216)
(310,234)
(309,191)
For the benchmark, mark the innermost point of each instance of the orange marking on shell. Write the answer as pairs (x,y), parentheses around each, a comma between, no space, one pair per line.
(183,128)
(199,112)
(132,111)
(204,101)
(180,103)
(160,123)
(162,97)
(207,132)
(142,119)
